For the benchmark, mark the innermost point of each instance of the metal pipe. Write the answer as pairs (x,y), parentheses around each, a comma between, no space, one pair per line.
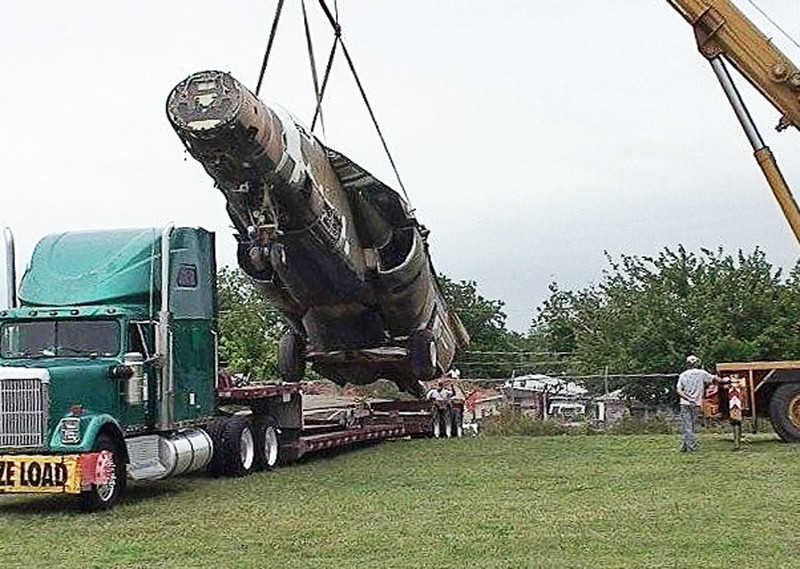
(737,103)
(11,271)
(166,234)
(165,419)
(780,189)
(764,157)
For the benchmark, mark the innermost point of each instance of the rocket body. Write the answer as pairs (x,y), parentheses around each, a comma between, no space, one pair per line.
(335,250)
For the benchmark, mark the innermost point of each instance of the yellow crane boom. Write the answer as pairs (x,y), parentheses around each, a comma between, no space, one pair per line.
(723,31)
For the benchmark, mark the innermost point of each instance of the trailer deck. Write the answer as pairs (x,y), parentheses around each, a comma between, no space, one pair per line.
(311,423)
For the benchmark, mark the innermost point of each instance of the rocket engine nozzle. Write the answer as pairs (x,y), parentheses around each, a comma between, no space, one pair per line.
(205,101)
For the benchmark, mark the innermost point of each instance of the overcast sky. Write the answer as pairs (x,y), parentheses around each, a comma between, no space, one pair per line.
(531,135)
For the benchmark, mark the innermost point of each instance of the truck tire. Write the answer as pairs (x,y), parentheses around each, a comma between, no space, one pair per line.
(423,354)
(106,496)
(237,449)
(784,412)
(292,357)
(267,446)
(214,431)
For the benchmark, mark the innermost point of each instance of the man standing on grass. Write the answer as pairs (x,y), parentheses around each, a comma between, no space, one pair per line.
(690,388)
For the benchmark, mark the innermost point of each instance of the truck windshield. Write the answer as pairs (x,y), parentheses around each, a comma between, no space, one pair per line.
(59,338)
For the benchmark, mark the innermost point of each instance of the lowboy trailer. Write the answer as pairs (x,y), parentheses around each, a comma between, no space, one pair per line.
(109,371)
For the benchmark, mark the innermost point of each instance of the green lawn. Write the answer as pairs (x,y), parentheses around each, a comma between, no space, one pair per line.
(485,502)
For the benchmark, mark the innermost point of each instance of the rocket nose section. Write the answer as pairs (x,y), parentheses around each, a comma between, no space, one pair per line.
(204,101)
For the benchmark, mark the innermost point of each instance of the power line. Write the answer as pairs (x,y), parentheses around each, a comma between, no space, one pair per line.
(774,23)
(514,363)
(512,352)
(644,376)
(622,376)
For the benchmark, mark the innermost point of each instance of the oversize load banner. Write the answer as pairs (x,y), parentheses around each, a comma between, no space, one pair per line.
(50,474)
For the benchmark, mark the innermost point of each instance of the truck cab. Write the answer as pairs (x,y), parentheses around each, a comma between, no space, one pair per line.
(109,371)
(112,336)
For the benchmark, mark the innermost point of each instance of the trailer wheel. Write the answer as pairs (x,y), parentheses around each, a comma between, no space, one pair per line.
(237,450)
(106,496)
(784,411)
(292,357)
(424,355)
(266,443)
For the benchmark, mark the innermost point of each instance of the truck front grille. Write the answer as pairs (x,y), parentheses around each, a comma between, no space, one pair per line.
(23,412)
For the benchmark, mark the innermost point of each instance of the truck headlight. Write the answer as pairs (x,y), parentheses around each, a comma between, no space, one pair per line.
(70,431)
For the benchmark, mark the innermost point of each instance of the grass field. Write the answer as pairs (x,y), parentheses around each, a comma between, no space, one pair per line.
(485,502)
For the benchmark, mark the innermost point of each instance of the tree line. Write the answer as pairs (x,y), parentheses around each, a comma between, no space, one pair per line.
(642,317)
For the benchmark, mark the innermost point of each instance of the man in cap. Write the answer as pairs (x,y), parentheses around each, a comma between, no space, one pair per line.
(690,387)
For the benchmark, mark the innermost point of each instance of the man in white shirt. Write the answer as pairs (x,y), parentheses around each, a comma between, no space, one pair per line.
(441,408)
(439,394)
(690,387)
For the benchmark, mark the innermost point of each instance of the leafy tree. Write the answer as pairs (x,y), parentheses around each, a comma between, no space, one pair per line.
(249,327)
(647,313)
(487,355)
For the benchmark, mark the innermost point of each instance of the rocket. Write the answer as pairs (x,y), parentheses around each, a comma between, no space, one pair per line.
(336,251)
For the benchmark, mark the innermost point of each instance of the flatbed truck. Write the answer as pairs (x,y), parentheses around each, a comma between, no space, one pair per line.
(109,371)
(767,390)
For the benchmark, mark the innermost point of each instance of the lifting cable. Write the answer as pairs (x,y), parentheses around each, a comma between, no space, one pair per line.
(320,90)
(337,37)
(312,62)
(269,44)
(318,110)
(337,30)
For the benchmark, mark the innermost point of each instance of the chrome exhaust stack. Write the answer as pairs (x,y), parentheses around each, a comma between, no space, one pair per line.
(11,272)
(163,343)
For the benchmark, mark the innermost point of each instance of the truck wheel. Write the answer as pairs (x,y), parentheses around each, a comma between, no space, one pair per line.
(292,357)
(214,431)
(237,450)
(266,443)
(423,353)
(784,411)
(106,496)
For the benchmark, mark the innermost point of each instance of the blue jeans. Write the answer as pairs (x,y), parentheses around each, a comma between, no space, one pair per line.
(687,417)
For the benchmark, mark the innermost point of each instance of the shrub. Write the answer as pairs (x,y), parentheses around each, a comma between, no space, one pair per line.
(510,422)
(654,424)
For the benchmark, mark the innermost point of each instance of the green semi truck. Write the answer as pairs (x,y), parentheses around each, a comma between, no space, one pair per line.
(109,371)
